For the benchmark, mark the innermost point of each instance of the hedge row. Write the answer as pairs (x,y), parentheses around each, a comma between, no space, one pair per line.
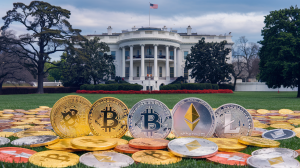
(111,87)
(190,86)
(155,91)
(226,86)
(31,90)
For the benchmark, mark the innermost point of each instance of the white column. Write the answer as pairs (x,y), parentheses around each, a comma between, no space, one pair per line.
(123,62)
(167,63)
(155,62)
(142,62)
(131,63)
(175,62)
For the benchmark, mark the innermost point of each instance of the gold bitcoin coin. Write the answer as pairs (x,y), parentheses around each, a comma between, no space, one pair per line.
(92,143)
(6,134)
(262,111)
(69,116)
(228,145)
(282,126)
(296,130)
(285,111)
(128,134)
(52,158)
(33,133)
(260,125)
(43,107)
(260,142)
(120,141)
(155,157)
(64,145)
(108,117)
(171,135)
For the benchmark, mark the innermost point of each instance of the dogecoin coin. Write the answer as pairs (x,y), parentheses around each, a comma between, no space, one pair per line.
(260,142)
(278,134)
(4,140)
(15,155)
(108,117)
(228,145)
(276,151)
(92,143)
(155,157)
(54,158)
(148,143)
(272,161)
(126,149)
(33,133)
(230,158)
(36,141)
(69,116)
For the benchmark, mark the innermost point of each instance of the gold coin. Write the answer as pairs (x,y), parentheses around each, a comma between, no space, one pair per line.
(43,107)
(52,158)
(171,135)
(128,134)
(22,126)
(277,117)
(7,115)
(227,145)
(63,144)
(282,126)
(108,117)
(19,123)
(260,142)
(29,116)
(296,130)
(285,111)
(262,111)
(8,110)
(43,116)
(69,116)
(155,157)
(42,122)
(30,113)
(92,143)
(33,133)
(6,134)
(120,141)
(260,125)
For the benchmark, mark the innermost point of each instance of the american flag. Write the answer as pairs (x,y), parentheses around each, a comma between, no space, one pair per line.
(153,6)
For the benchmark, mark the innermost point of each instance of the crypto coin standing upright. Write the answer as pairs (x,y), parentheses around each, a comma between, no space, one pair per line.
(4,141)
(230,158)
(36,141)
(155,157)
(233,121)
(15,155)
(193,117)
(272,161)
(279,134)
(276,151)
(149,118)
(69,116)
(108,117)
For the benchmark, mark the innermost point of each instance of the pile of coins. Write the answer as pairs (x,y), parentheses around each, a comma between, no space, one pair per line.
(194,129)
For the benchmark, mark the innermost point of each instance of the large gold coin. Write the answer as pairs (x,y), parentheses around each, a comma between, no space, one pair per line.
(33,133)
(108,117)
(54,158)
(282,126)
(69,116)
(227,145)
(155,157)
(260,142)
(92,143)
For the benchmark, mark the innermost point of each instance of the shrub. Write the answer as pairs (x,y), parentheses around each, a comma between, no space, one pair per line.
(83,87)
(193,86)
(112,87)
(110,82)
(226,86)
(90,87)
(215,86)
(169,87)
(208,85)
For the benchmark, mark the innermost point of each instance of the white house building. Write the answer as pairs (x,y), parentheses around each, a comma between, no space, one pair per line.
(151,56)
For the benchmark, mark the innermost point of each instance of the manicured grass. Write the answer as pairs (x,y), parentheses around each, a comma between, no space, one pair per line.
(250,100)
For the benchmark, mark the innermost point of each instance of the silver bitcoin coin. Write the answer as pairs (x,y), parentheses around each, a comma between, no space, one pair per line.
(106,159)
(233,121)
(272,161)
(12,130)
(192,147)
(4,141)
(276,151)
(278,134)
(193,117)
(149,118)
(33,140)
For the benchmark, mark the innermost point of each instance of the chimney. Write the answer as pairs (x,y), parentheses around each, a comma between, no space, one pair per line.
(134,28)
(109,30)
(164,28)
(189,30)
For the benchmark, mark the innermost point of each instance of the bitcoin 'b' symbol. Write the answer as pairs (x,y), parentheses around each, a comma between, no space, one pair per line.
(155,155)
(151,121)
(113,118)
(62,158)
(70,117)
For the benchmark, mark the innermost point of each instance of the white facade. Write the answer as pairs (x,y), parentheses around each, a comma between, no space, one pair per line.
(152,56)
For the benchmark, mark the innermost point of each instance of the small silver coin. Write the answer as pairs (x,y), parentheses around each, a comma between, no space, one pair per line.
(278,134)
(12,130)
(149,118)
(192,147)
(34,140)
(6,121)
(18,114)
(4,141)
(260,129)
(193,117)
(276,151)
(49,127)
(233,121)
(272,161)
(106,159)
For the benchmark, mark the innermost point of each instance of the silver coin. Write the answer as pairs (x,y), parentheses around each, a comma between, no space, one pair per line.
(49,127)
(12,130)
(18,114)
(260,129)
(149,118)
(193,117)
(272,161)
(4,141)
(278,134)
(233,121)
(34,140)
(6,121)
(106,159)
(192,147)
(276,151)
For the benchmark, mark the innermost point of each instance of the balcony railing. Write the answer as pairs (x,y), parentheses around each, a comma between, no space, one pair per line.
(150,56)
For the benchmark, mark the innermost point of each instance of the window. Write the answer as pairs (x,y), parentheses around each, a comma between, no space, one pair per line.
(160,71)
(113,54)
(186,73)
(149,51)
(172,53)
(126,53)
(127,72)
(149,69)
(185,54)
(137,71)
(137,52)
(171,72)
(160,52)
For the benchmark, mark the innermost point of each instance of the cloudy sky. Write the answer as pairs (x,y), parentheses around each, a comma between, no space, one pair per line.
(242,18)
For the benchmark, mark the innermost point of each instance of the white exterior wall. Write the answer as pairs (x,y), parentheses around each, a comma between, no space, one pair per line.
(259,86)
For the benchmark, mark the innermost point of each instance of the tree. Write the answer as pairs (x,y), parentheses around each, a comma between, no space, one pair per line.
(239,67)
(208,62)
(55,73)
(280,51)
(50,32)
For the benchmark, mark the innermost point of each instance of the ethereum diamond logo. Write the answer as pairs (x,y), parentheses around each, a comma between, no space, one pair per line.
(104,158)
(276,160)
(193,145)
(192,117)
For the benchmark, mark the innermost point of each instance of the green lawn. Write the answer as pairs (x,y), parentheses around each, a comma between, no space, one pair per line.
(249,100)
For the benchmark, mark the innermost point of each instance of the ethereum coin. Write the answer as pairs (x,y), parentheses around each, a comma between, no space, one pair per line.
(279,134)
(192,147)
(193,117)
(276,151)
(233,121)
(35,141)
(149,118)
(106,159)
(272,161)
(4,141)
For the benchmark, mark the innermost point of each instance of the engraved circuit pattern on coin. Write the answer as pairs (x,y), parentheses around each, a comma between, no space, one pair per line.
(193,117)
(233,121)
(276,151)
(35,141)
(149,118)
(69,116)
(108,117)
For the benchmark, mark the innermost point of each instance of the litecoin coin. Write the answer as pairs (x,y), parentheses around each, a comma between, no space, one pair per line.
(272,161)
(192,147)
(36,141)
(193,117)
(149,118)
(230,158)
(108,117)
(15,155)
(155,157)
(106,159)
(69,116)
(233,121)
(4,141)
(276,151)
(279,134)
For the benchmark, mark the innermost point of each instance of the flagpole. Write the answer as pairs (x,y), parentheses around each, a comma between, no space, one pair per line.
(149,14)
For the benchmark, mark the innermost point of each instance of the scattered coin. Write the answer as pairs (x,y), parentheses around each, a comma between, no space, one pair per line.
(15,155)
(36,141)
(278,134)
(63,144)
(276,151)
(33,133)
(6,134)
(155,157)
(120,141)
(282,126)
(126,149)
(13,130)
(92,143)
(260,142)
(4,140)
(228,145)
(230,158)
(285,111)
(128,134)
(148,143)
(262,111)
(272,161)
